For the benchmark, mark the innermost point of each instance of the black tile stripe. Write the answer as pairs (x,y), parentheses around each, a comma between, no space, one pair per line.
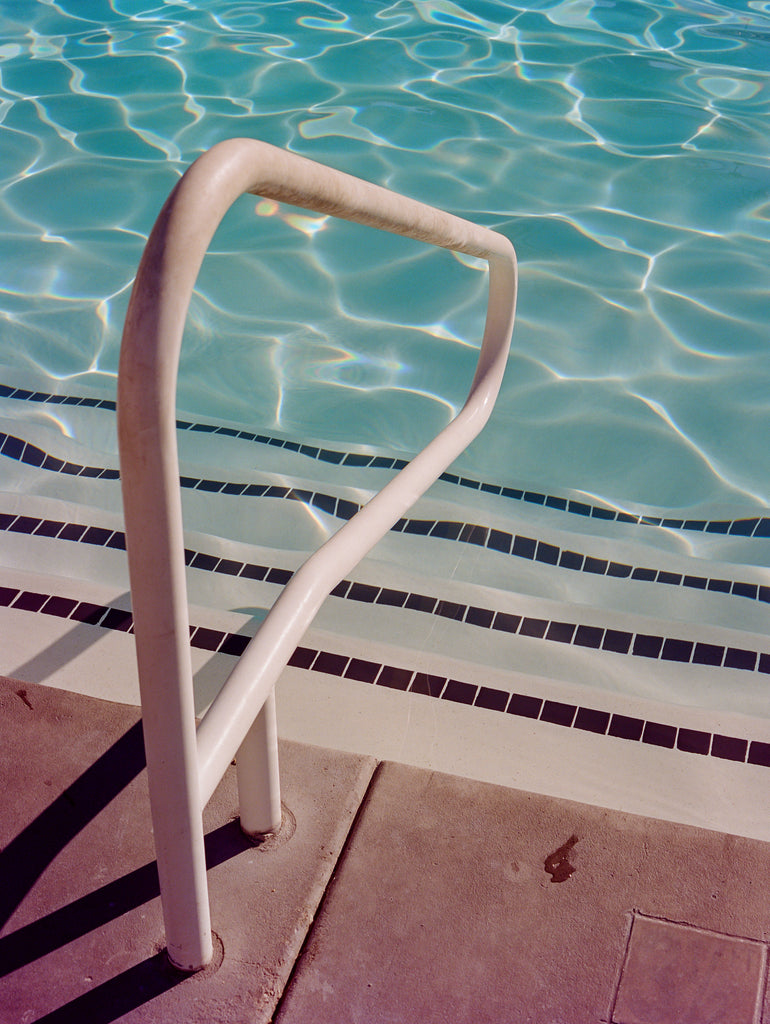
(598,638)
(552,712)
(753,526)
(466,533)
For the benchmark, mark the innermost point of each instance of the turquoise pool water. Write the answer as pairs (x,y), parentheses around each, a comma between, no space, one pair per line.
(622,146)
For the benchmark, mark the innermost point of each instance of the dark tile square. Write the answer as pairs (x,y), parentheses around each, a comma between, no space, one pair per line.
(498,540)
(677,650)
(617,641)
(331,664)
(449,531)
(764,663)
(571,560)
(592,721)
(235,644)
(474,534)
(533,627)
(33,456)
(708,654)
(24,524)
(451,610)
(717,527)
(580,508)
(459,692)
(759,753)
(697,582)
(731,748)
(303,657)
(534,497)
(427,684)
(735,657)
(557,713)
(646,575)
(525,706)
(506,623)
(204,561)
(561,632)
(619,569)
(749,590)
(693,741)
(763,528)
(524,547)
(229,567)
(589,636)
(207,639)
(595,565)
(744,527)
(363,671)
(347,509)
(254,572)
(117,541)
(72,531)
(7,594)
(91,614)
(659,735)
(363,592)
(626,728)
(421,603)
(29,601)
(325,502)
(720,586)
(61,606)
(554,502)
(491,699)
(671,578)
(395,678)
(479,617)
(547,553)
(279,576)
(646,646)
(212,486)
(119,619)
(341,589)
(420,527)
(393,598)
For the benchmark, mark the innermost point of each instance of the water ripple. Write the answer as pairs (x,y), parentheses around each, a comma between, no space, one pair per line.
(623,147)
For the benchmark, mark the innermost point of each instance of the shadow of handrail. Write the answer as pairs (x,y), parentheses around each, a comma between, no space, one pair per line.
(27,855)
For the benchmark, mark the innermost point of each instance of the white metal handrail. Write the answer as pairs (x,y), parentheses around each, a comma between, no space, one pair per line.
(183,767)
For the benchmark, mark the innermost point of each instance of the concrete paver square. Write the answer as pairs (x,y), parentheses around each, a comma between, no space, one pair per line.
(675,974)
(81,931)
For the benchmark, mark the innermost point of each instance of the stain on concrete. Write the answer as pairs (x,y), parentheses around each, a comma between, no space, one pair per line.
(557,863)
(23,695)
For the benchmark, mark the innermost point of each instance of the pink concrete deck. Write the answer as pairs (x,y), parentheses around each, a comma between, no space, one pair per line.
(392,894)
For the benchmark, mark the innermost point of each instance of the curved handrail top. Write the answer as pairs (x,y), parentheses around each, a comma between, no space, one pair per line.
(185,226)
(147,375)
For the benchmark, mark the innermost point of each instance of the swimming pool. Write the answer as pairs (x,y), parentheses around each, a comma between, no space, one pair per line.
(613,511)
(622,146)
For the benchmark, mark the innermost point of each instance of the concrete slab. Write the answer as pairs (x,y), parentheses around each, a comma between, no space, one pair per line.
(81,922)
(675,974)
(464,901)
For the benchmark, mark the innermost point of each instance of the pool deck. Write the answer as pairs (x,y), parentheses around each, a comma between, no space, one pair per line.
(392,893)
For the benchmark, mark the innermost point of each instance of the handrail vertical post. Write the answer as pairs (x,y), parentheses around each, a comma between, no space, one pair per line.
(256,763)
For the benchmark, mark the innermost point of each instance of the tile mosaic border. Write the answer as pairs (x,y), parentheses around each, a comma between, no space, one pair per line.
(755,526)
(571,716)
(597,638)
(500,541)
